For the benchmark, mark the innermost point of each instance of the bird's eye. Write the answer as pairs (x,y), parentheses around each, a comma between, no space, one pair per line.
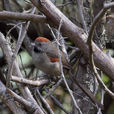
(36,49)
(39,44)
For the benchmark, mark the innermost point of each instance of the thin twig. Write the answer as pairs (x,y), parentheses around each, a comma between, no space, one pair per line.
(45,102)
(63,47)
(65,4)
(90,37)
(17,25)
(53,89)
(61,67)
(23,65)
(57,103)
(53,34)
(102,99)
(62,74)
(81,14)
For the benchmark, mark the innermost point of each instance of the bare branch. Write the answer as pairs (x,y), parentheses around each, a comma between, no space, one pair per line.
(22,16)
(45,102)
(80,7)
(29,82)
(27,104)
(53,89)
(90,37)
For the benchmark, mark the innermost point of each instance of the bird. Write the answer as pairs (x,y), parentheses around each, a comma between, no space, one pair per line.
(45,57)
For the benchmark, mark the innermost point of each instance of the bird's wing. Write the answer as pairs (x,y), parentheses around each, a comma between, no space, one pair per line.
(53,55)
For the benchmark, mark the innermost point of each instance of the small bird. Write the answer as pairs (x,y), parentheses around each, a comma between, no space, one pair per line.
(45,57)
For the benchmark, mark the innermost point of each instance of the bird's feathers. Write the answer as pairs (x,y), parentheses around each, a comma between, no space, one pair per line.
(42,39)
(51,51)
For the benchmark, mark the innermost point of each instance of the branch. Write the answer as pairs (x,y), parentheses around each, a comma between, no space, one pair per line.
(57,102)
(54,88)
(88,93)
(8,101)
(22,16)
(97,19)
(29,82)
(45,102)
(90,37)
(80,7)
(29,105)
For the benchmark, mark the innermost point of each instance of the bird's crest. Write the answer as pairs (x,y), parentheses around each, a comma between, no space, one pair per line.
(42,39)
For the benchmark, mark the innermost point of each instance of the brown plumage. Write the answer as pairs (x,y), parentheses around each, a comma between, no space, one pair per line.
(46,57)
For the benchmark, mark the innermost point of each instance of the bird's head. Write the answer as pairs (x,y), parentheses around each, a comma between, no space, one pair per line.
(41,44)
